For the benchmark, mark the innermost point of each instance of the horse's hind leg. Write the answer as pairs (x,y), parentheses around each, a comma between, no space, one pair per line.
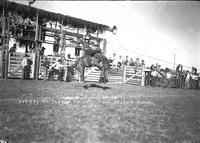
(82,74)
(101,77)
(104,76)
(83,78)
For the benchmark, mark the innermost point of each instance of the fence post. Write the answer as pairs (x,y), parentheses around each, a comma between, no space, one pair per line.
(7,46)
(124,75)
(143,77)
(2,48)
(36,69)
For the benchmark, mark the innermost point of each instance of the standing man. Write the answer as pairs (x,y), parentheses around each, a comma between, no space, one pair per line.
(125,61)
(77,49)
(142,64)
(42,51)
(13,49)
(187,80)
(26,67)
(119,63)
(56,46)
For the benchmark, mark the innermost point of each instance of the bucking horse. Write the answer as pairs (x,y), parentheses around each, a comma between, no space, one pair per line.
(98,60)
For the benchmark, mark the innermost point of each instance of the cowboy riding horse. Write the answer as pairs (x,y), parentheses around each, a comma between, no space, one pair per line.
(91,58)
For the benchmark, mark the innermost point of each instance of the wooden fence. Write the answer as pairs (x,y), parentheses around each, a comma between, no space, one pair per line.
(15,65)
(132,75)
(125,75)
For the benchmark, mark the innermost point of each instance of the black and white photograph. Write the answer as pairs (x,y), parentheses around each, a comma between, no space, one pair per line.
(99,71)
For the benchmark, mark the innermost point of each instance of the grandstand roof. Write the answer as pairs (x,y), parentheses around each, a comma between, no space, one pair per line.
(30,12)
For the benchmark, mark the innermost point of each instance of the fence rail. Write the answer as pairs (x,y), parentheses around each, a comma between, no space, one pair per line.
(125,75)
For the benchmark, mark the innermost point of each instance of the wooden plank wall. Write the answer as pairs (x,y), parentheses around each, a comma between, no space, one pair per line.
(15,62)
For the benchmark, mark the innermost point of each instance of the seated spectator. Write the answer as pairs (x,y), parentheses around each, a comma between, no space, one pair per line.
(27,21)
(158,66)
(131,62)
(168,75)
(119,63)
(142,64)
(42,51)
(125,61)
(56,68)
(98,50)
(113,60)
(137,62)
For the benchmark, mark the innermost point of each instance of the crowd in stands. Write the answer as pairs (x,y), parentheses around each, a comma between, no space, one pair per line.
(119,62)
(156,76)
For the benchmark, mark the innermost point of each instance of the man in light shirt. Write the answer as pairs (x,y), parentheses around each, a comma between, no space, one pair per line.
(26,64)
(187,80)
(56,68)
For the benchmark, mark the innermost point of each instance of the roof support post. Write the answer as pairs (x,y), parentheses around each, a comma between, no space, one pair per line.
(7,46)
(3,42)
(37,52)
(104,46)
(62,52)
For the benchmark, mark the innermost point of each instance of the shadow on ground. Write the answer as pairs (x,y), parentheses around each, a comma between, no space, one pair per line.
(96,86)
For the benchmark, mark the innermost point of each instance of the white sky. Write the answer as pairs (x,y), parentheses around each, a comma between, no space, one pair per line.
(156,29)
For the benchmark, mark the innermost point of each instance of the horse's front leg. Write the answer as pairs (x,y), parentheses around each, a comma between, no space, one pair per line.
(83,78)
(82,74)
(101,77)
(104,75)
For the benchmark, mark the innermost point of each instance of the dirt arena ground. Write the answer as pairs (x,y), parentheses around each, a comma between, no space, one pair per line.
(60,112)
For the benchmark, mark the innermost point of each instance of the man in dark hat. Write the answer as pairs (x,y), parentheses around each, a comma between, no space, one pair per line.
(13,49)
(26,64)
(42,51)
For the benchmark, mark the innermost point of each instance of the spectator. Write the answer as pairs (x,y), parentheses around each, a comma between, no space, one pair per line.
(131,62)
(46,64)
(13,49)
(168,75)
(125,61)
(137,62)
(56,68)
(154,76)
(56,46)
(187,80)
(77,50)
(113,60)
(98,50)
(142,64)
(119,63)
(26,65)
(69,56)
(42,51)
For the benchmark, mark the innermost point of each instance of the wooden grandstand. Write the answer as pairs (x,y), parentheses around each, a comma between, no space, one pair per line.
(34,33)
